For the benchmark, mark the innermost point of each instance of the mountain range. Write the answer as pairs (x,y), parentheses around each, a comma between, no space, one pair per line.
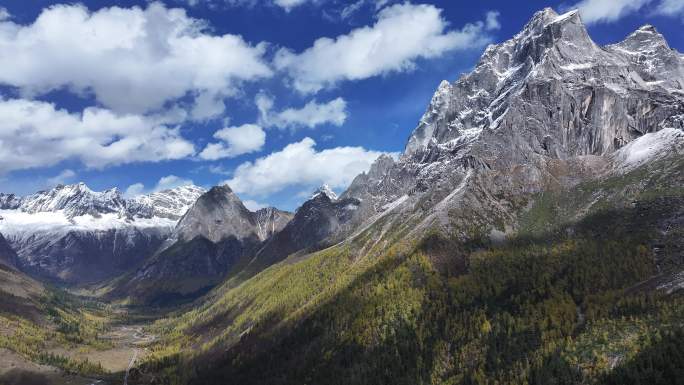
(538,203)
(71,234)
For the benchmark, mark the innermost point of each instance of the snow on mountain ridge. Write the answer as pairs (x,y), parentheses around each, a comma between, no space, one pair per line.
(78,200)
(548,95)
(74,200)
(171,203)
(325,190)
(59,233)
(650,147)
(549,47)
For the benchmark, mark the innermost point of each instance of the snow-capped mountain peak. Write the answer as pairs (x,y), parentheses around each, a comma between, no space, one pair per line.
(479,99)
(74,200)
(549,49)
(644,40)
(325,190)
(171,203)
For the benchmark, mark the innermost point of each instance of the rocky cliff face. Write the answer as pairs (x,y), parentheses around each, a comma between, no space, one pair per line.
(545,109)
(9,201)
(270,221)
(216,236)
(75,235)
(315,224)
(565,95)
(216,215)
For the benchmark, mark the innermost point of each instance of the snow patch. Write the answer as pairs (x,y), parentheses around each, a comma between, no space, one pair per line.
(565,16)
(649,147)
(395,203)
(325,190)
(577,66)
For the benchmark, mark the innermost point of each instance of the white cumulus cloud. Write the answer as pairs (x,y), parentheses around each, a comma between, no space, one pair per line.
(670,8)
(289,4)
(235,141)
(132,60)
(4,14)
(492,20)
(164,183)
(135,190)
(299,164)
(38,134)
(606,11)
(61,178)
(253,205)
(171,181)
(402,34)
(310,115)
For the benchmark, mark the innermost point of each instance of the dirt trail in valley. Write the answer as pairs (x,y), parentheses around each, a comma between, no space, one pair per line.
(129,345)
(130,365)
(132,339)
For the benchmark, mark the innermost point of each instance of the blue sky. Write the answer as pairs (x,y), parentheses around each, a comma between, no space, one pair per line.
(273,96)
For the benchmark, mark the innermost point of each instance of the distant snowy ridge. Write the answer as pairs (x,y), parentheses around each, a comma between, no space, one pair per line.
(171,204)
(74,234)
(77,200)
(74,200)
(67,208)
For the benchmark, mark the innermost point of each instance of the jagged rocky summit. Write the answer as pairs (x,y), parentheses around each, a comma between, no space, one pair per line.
(543,110)
(216,236)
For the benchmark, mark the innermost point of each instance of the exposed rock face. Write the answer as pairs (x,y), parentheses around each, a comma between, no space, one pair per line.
(216,234)
(19,294)
(565,95)
(546,108)
(75,235)
(270,221)
(314,225)
(216,215)
(89,256)
(653,59)
(9,201)
(219,214)
(218,237)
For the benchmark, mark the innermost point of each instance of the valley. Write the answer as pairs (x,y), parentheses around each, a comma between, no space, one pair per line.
(72,340)
(126,345)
